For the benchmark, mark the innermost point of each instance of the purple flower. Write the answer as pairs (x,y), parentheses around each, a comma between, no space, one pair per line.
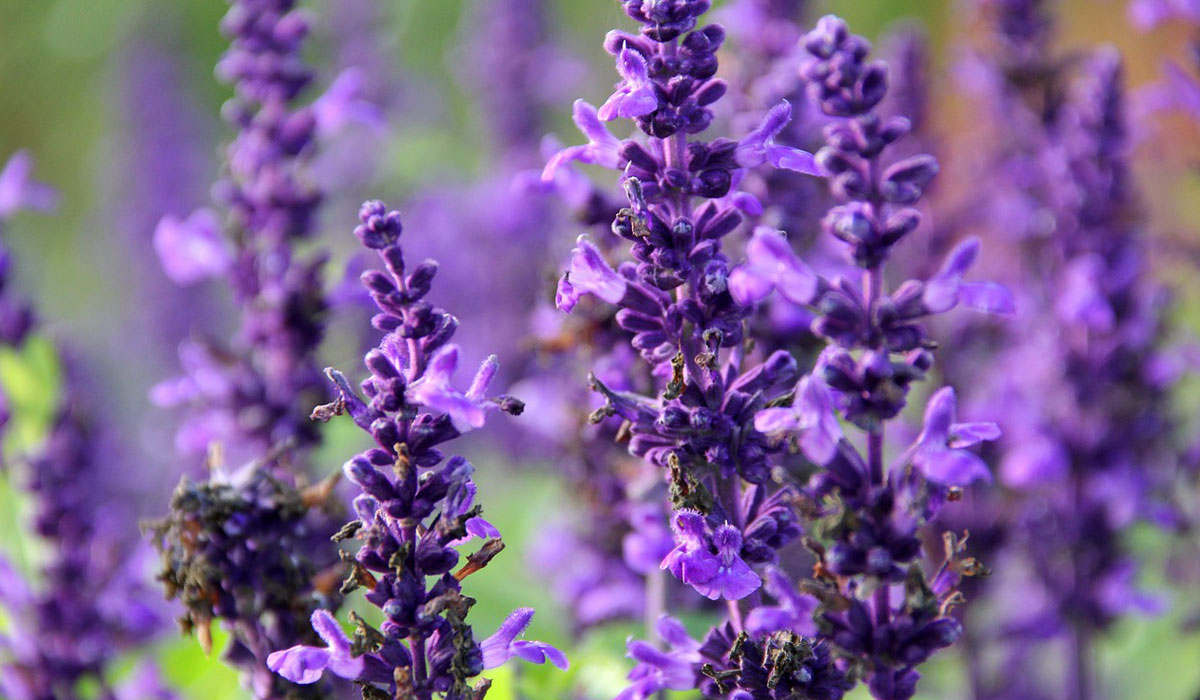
(673,669)
(601,149)
(305,664)
(635,96)
(18,189)
(794,612)
(723,575)
(690,561)
(946,289)
(771,264)
(344,103)
(192,249)
(503,645)
(940,449)
(589,274)
(467,411)
(758,147)
(813,415)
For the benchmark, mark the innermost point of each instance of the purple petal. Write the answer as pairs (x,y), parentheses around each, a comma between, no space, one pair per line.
(464,413)
(329,630)
(497,649)
(567,155)
(481,528)
(772,259)
(565,296)
(954,467)
(988,297)
(939,416)
(967,434)
(795,159)
(748,286)
(672,631)
(588,122)
(14,591)
(728,541)
(192,249)
(631,65)
(344,103)
(442,365)
(765,619)
(540,653)
(19,191)
(300,664)
(752,150)
(590,273)
(173,392)
(776,420)
(732,582)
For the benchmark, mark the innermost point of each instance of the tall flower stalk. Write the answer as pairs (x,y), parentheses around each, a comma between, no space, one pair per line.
(415,506)
(242,546)
(87,604)
(712,428)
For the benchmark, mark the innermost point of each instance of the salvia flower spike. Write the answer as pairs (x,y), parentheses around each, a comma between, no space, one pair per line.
(415,506)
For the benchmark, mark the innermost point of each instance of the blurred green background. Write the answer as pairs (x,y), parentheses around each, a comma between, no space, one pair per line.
(64,72)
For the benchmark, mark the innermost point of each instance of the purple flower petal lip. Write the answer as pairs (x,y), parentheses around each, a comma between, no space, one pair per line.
(733,579)
(18,190)
(503,645)
(192,249)
(813,415)
(675,634)
(946,289)
(589,273)
(482,528)
(344,103)
(759,147)
(540,653)
(635,96)
(304,664)
(771,264)
(433,390)
(601,149)
(939,451)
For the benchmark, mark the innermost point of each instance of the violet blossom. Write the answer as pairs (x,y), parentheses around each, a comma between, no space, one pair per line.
(410,521)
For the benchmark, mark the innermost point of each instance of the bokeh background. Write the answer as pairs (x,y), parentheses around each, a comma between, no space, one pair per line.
(118,103)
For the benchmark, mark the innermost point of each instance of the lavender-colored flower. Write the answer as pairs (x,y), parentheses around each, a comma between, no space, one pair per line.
(88,606)
(410,522)
(193,249)
(695,422)
(878,350)
(19,191)
(249,398)
(271,205)
(940,448)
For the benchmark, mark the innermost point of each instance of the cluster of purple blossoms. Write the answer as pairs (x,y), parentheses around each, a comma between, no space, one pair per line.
(243,546)
(415,506)
(88,603)
(246,397)
(714,424)
(1084,374)
(759,328)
